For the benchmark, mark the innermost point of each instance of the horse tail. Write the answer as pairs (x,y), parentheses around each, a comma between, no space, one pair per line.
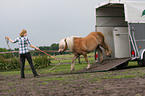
(101,35)
(109,49)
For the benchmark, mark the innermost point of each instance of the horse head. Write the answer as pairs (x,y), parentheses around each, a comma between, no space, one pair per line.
(66,43)
(62,46)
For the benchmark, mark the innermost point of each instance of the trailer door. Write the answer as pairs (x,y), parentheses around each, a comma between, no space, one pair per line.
(138,35)
(121,42)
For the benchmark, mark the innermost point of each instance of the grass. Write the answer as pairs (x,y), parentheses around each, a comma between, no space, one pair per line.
(93,77)
(65,68)
(68,58)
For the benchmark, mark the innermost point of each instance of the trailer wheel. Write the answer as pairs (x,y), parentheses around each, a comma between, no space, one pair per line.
(143,60)
(122,65)
(139,62)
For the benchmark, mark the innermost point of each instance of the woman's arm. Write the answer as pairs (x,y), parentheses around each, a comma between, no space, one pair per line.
(34,47)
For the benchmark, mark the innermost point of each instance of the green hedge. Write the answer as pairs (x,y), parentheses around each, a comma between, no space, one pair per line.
(41,61)
(13,63)
(8,64)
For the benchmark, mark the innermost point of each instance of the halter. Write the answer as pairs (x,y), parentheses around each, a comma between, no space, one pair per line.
(65,44)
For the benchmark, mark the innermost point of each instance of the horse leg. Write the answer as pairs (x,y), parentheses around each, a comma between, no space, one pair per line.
(85,56)
(73,63)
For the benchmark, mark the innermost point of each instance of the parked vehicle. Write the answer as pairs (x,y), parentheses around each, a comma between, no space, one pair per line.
(123,24)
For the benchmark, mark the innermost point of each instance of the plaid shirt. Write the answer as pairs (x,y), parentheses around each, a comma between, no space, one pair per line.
(23,44)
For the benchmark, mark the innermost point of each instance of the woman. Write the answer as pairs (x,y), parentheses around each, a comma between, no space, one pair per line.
(23,42)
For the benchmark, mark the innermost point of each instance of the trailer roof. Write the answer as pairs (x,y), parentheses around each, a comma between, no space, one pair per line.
(134,10)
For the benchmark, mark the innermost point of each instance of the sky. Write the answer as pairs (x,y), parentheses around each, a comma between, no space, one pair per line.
(46,21)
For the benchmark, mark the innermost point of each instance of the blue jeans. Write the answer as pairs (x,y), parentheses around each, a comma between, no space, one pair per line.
(29,59)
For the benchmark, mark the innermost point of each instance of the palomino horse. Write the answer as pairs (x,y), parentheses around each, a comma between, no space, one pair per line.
(82,46)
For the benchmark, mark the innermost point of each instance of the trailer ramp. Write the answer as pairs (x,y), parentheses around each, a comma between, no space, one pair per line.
(106,65)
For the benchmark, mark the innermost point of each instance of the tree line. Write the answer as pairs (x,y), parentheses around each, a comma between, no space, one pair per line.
(53,46)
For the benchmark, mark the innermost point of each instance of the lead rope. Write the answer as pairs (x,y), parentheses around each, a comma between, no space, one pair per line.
(52,57)
(7,41)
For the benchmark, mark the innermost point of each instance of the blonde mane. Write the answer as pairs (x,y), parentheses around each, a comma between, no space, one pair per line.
(70,42)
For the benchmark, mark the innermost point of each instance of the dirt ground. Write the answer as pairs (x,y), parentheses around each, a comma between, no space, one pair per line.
(84,84)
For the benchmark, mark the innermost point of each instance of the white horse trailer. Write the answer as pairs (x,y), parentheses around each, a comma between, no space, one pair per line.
(123,24)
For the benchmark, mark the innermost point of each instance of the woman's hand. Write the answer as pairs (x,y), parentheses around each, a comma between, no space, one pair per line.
(37,49)
(7,37)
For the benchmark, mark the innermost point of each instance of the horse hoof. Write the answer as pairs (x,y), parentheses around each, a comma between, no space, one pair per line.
(88,67)
(109,56)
